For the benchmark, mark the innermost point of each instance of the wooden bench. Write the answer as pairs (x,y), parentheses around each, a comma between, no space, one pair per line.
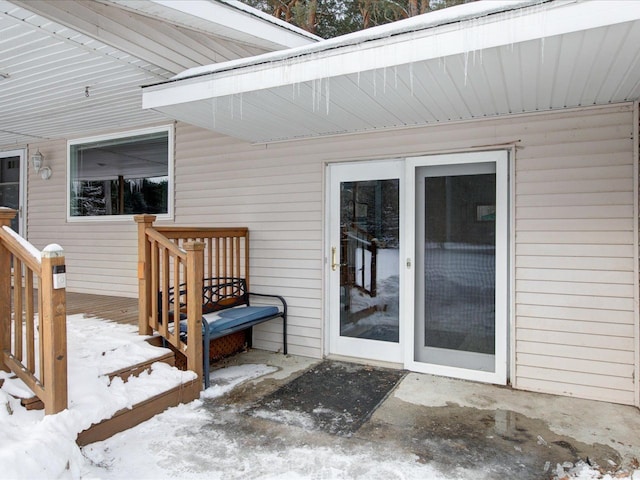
(226,309)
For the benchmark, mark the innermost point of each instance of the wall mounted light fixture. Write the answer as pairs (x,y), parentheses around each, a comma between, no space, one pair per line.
(37,160)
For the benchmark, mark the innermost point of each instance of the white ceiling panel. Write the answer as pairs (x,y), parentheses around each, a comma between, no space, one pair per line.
(51,51)
(49,67)
(534,57)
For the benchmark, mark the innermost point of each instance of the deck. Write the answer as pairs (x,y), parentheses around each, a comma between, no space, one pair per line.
(125,311)
(116,309)
(108,307)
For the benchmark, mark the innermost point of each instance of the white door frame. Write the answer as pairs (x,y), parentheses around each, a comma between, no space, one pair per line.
(501,158)
(346,346)
(405,354)
(22,201)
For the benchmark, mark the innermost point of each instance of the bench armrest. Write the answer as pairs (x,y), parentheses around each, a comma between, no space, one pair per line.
(277,297)
(284,315)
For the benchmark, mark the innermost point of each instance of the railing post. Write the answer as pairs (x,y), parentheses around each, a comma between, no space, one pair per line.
(246,260)
(374,267)
(195,272)
(6,215)
(53,329)
(144,273)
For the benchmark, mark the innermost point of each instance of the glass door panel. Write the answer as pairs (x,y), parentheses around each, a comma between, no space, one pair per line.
(460,287)
(364,271)
(369,256)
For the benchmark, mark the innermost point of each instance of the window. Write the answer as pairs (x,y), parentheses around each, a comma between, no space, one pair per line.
(121,175)
(10,191)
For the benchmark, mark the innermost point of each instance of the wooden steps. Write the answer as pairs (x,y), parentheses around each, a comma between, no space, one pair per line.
(128,418)
(31,403)
(135,370)
(144,410)
(140,412)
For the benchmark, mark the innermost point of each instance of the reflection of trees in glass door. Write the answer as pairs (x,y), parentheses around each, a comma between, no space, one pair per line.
(365,256)
(369,231)
(10,184)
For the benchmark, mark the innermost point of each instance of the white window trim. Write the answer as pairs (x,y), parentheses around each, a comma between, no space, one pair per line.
(22,202)
(170,129)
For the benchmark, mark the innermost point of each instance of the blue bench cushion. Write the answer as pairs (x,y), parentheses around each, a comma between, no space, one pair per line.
(234,317)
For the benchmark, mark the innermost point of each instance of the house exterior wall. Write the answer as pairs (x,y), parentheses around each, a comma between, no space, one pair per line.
(101,256)
(574,318)
(575,254)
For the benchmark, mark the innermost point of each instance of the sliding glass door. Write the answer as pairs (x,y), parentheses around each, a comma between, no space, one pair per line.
(417,263)
(364,256)
(460,290)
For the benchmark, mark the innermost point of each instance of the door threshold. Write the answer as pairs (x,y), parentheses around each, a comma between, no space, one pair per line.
(365,361)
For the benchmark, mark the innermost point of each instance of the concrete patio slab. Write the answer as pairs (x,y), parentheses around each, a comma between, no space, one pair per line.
(453,426)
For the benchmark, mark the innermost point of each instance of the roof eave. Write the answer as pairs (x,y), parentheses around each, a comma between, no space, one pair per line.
(226,18)
(269,77)
(311,63)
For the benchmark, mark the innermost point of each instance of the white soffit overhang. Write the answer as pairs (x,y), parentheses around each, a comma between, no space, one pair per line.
(71,68)
(227,18)
(477,60)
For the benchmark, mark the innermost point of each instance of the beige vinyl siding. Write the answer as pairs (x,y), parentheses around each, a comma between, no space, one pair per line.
(574,276)
(574,315)
(223,182)
(574,311)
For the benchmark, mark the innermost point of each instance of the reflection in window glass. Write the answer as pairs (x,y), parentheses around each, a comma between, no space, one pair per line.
(369,259)
(120,176)
(10,185)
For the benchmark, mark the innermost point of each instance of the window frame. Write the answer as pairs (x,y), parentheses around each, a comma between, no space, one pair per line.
(169,129)
(24,170)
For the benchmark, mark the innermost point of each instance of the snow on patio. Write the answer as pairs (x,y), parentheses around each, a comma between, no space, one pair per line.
(193,441)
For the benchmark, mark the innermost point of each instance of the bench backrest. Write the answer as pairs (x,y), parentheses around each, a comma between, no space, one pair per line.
(218,293)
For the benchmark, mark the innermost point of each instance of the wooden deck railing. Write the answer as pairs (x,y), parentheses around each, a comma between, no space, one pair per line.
(185,257)
(35,352)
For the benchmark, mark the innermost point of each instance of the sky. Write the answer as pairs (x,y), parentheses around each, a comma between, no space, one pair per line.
(192,441)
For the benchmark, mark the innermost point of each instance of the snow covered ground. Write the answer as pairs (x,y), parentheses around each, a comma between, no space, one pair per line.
(33,445)
(193,441)
(583,471)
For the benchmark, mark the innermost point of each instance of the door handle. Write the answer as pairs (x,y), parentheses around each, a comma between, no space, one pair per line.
(334,260)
